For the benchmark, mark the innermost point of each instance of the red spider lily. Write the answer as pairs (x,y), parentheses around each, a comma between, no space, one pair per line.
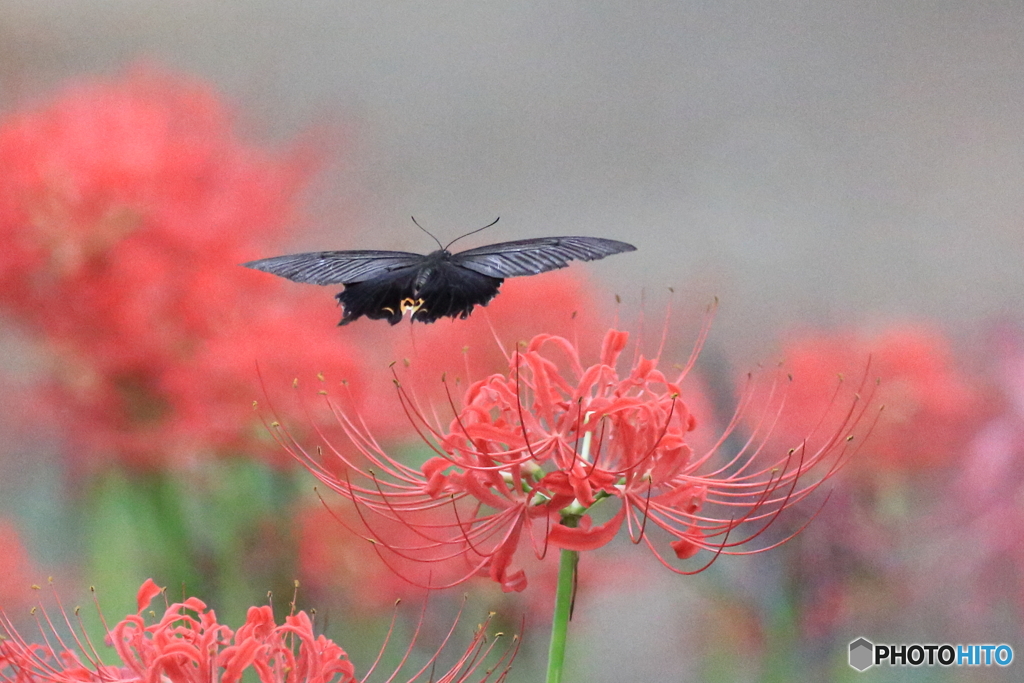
(850,557)
(188,645)
(126,205)
(533,454)
(148,164)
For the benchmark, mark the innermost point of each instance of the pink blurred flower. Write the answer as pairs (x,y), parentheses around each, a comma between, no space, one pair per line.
(532,453)
(188,645)
(986,526)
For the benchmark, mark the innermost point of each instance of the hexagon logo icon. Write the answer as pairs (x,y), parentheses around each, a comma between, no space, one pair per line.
(862,654)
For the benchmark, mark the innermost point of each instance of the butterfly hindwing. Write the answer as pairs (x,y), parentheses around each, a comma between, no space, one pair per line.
(539,255)
(379,297)
(433,290)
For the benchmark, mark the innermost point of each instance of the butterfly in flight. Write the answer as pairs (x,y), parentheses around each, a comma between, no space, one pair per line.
(388,284)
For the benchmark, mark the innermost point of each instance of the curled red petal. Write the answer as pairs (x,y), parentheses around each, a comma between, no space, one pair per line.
(433,470)
(614,343)
(147,591)
(514,582)
(586,537)
(689,545)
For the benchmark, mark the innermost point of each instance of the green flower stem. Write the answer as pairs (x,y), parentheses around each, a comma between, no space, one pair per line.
(564,594)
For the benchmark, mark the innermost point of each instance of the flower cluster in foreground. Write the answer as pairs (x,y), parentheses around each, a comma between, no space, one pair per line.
(535,454)
(188,645)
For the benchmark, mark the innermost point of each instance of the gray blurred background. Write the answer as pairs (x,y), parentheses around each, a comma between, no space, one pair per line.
(823,162)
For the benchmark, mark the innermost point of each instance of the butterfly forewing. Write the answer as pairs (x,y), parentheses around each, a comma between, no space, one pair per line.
(336,267)
(533,256)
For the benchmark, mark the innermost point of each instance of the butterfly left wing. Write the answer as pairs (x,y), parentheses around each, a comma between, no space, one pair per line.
(336,267)
(538,255)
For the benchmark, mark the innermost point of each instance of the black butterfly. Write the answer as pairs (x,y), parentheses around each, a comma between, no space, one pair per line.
(387,284)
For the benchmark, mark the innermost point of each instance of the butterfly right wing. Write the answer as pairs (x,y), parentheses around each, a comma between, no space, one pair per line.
(336,267)
(537,255)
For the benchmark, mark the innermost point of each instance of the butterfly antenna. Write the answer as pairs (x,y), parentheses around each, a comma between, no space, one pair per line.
(473,232)
(426,231)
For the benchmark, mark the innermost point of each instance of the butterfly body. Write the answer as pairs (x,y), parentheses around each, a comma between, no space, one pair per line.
(386,285)
(432,289)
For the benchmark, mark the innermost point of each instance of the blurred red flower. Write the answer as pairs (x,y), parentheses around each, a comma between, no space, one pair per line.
(152,157)
(349,566)
(532,453)
(188,645)
(16,569)
(930,405)
(126,206)
(854,557)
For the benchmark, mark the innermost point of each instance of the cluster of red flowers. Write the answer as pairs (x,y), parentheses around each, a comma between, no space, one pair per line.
(126,206)
(532,452)
(188,645)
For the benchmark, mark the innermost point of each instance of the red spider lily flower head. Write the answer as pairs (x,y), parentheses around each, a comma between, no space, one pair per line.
(536,455)
(930,405)
(126,205)
(144,163)
(188,645)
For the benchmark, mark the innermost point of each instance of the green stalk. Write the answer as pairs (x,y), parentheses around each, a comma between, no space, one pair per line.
(564,595)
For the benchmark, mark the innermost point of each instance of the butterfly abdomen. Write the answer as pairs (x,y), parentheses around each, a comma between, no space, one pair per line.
(453,291)
(422,278)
